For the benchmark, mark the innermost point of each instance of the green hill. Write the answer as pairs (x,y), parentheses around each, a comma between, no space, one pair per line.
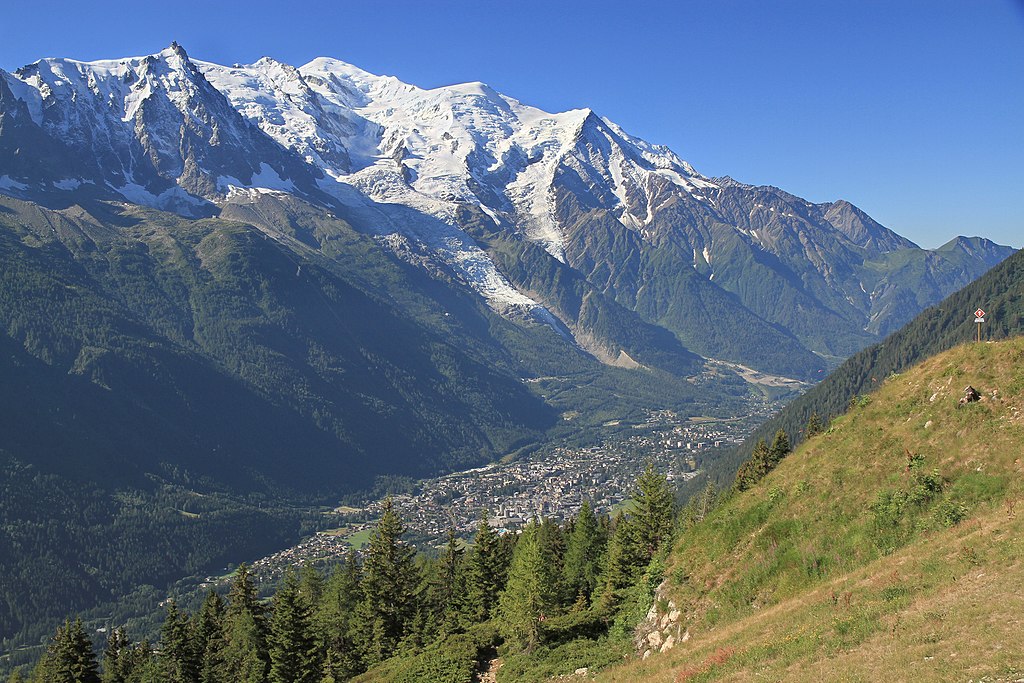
(890,547)
(1000,292)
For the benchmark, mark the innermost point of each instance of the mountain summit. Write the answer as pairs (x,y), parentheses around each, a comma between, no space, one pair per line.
(563,217)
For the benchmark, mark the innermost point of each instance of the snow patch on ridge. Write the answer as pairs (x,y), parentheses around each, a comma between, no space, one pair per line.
(9,183)
(266,180)
(173,199)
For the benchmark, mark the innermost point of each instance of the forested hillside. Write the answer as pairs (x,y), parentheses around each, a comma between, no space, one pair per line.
(553,597)
(172,385)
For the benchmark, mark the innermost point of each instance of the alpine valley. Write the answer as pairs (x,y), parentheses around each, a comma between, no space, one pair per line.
(228,293)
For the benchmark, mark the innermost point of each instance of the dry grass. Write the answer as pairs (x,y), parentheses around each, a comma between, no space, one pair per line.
(792,582)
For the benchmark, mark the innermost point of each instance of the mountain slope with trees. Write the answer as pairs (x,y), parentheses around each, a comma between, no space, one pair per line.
(387,614)
(632,250)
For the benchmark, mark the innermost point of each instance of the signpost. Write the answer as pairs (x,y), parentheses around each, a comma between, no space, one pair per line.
(979,317)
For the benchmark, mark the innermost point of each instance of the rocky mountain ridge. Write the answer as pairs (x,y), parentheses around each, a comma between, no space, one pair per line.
(495,192)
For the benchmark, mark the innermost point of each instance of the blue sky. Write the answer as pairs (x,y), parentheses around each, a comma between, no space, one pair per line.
(913,110)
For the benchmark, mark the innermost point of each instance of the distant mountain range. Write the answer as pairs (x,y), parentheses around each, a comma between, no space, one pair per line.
(228,287)
(565,218)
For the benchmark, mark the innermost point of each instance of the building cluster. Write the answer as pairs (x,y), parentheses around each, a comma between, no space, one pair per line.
(551,484)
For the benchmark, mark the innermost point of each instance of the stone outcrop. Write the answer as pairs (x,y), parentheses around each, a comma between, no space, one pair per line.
(662,628)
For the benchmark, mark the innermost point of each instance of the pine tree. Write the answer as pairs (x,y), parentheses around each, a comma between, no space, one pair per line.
(311,585)
(483,572)
(551,540)
(653,511)
(293,652)
(702,504)
(327,672)
(446,592)
(117,660)
(388,585)
(244,654)
(335,623)
(242,596)
(527,599)
(779,450)
(623,558)
(754,469)
(69,657)
(245,658)
(178,661)
(208,639)
(583,553)
(814,426)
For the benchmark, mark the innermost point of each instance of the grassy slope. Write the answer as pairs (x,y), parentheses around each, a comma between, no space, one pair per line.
(795,581)
(1000,292)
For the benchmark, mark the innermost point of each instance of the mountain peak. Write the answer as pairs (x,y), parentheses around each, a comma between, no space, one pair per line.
(862,229)
(978,248)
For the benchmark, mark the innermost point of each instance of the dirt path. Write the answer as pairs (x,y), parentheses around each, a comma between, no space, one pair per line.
(488,671)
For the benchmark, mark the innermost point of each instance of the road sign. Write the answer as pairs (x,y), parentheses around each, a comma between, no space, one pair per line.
(980,313)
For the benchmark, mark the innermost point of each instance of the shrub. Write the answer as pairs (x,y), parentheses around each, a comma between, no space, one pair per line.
(949,513)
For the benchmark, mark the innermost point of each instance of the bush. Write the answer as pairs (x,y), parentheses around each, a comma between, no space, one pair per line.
(949,513)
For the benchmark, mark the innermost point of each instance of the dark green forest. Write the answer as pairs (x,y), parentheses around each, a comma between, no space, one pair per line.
(548,599)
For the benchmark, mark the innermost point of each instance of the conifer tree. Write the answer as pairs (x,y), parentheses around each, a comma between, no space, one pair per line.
(208,638)
(779,450)
(69,657)
(483,572)
(446,592)
(653,511)
(526,600)
(335,623)
(753,469)
(117,658)
(762,461)
(327,672)
(245,658)
(583,552)
(814,426)
(243,596)
(388,585)
(551,540)
(244,654)
(621,562)
(311,585)
(178,661)
(292,648)
(701,505)
(127,663)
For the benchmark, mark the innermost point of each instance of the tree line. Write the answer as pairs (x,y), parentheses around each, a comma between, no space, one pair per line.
(388,605)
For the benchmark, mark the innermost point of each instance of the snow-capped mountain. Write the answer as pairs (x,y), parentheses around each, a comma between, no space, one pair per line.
(151,128)
(564,216)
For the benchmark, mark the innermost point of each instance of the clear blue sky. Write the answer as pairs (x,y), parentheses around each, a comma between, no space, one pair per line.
(913,110)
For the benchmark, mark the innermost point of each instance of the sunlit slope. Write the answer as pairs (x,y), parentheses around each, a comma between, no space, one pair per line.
(888,548)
